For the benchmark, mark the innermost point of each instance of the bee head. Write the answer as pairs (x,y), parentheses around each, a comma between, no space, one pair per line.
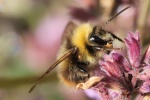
(104,39)
(100,38)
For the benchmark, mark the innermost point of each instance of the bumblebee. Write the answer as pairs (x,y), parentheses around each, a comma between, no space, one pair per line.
(81,49)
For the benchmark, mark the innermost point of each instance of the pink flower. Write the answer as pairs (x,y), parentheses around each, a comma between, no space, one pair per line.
(146,57)
(121,61)
(145,88)
(113,71)
(132,42)
(145,74)
(122,76)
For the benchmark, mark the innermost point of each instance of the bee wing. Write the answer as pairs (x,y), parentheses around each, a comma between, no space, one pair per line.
(68,30)
(70,52)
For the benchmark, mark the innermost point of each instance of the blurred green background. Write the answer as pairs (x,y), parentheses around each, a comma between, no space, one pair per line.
(30,35)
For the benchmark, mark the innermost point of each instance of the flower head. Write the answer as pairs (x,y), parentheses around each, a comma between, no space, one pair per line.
(122,77)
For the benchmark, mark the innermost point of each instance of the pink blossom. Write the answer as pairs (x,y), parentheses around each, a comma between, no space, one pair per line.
(124,76)
(145,88)
(110,67)
(145,74)
(146,57)
(121,61)
(133,45)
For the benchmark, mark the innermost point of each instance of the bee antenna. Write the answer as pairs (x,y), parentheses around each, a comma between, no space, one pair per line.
(115,16)
(115,48)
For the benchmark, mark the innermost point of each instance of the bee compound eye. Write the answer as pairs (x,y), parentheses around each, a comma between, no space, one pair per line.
(98,40)
(92,38)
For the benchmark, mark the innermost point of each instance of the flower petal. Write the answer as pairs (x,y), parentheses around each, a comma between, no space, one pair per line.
(110,66)
(109,91)
(146,97)
(145,74)
(146,57)
(115,95)
(132,42)
(110,69)
(145,88)
(121,61)
(93,94)
(92,81)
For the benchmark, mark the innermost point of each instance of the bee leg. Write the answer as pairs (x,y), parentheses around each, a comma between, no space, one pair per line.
(83,73)
(114,36)
(79,74)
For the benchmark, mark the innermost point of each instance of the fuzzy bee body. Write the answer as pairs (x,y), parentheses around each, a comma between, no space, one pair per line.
(81,49)
(91,43)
